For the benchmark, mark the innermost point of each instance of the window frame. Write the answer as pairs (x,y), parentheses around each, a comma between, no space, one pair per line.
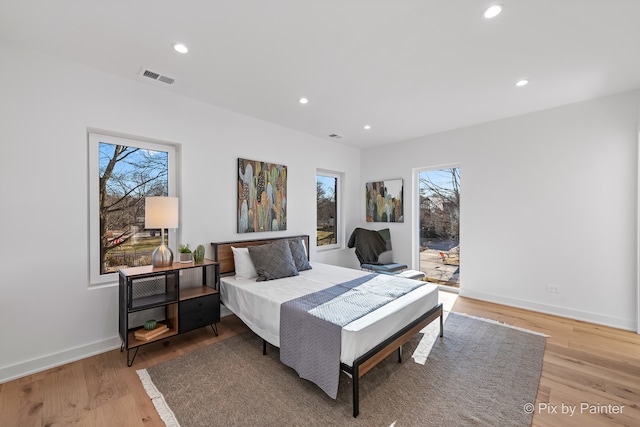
(95,137)
(339,217)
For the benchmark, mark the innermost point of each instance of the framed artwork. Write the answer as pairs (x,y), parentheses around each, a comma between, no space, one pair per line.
(262,196)
(384,201)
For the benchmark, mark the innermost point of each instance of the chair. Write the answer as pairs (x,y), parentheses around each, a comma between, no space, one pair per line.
(374,251)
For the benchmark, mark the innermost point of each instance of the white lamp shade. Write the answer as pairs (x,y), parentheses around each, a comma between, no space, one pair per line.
(161,212)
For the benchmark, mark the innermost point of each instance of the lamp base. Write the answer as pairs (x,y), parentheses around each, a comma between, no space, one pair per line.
(162,257)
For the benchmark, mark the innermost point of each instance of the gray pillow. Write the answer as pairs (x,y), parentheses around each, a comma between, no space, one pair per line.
(299,254)
(273,260)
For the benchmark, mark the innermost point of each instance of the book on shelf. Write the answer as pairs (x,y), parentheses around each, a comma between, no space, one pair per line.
(146,335)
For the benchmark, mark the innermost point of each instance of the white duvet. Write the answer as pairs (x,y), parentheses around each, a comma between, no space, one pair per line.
(257,304)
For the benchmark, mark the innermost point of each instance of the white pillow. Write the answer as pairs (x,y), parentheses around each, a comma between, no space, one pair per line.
(244,265)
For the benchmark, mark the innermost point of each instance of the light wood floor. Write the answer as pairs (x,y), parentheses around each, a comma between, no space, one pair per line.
(583,364)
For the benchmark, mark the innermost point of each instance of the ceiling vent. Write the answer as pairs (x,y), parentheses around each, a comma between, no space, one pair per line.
(335,135)
(155,76)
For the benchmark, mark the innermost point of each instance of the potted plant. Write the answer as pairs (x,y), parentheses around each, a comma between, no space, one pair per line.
(186,255)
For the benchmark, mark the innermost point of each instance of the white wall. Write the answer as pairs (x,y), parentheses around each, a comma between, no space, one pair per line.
(568,217)
(547,198)
(48,313)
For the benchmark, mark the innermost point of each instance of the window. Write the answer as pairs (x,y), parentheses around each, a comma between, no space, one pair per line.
(123,172)
(328,213)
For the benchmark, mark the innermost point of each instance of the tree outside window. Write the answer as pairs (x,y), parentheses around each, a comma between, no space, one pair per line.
(327,209)
(127,172)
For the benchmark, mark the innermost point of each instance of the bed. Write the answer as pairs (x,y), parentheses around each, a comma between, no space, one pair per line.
(363,342)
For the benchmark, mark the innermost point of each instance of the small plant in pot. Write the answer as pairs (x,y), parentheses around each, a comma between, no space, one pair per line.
(186,255)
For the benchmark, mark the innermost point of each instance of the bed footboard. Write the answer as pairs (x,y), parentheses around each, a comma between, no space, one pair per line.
(366,362)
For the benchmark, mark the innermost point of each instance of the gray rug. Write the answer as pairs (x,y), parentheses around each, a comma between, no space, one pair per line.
(481,374)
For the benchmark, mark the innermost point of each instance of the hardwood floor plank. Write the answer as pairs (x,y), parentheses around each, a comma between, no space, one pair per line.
(122,411)
(613,371)
(101,382)
(595,410)
(22,400)
(567,412)
(616,335)
(66,397)
(146,412)
(561,372)
(626,354)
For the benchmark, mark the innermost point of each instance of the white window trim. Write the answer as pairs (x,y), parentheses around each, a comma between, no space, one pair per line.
(339,211)
(95,137)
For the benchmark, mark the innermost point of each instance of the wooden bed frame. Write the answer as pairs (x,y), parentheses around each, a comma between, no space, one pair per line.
(223,254)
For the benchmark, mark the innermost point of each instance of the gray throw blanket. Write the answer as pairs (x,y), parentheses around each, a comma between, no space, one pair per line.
(368,243)
(311,326)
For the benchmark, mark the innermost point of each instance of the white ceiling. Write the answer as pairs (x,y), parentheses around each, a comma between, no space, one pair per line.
(406,67)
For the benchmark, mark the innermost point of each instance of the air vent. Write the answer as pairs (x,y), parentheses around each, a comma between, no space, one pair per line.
(151,74)
(155,76)
(335,135)
(165,79)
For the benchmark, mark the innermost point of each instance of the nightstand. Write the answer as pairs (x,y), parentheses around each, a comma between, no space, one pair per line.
(180,298)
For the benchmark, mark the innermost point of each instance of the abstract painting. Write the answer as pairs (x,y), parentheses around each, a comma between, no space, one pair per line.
(262,196)
(384,201)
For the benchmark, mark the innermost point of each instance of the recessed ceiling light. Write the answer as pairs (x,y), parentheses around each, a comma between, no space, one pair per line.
(522,82)
(303,101)
(492,11)
(366,127)
(179,47)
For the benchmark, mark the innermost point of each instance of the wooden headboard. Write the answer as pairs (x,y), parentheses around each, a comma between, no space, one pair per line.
(224,255)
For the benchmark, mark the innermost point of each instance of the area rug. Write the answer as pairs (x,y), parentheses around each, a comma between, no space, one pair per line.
(480,374)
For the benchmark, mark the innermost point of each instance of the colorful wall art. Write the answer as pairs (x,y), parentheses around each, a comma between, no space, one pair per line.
(262,196)
(384,201)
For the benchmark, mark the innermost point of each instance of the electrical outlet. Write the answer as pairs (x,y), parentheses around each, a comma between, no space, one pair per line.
(554,289)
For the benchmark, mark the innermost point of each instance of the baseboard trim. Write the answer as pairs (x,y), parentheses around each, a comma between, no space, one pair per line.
(22,369)
(585,316)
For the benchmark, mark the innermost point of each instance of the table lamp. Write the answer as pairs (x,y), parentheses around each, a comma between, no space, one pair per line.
(161,212)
